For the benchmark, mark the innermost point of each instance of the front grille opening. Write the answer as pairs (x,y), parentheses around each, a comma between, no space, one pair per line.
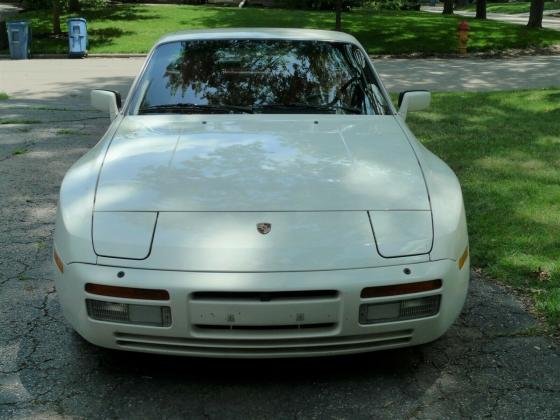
(262,347)
(265,327)
(266,296)
(262,352)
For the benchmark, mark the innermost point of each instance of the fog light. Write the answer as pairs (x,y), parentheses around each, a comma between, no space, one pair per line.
(399,310)
(158,316)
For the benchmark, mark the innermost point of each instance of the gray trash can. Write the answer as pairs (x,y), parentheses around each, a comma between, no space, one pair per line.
(77,37)
(19,39)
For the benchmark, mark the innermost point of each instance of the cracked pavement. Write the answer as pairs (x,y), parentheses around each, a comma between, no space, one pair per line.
(494,361)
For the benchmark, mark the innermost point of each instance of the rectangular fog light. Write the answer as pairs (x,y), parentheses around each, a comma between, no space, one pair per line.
(157,316)
(399,310)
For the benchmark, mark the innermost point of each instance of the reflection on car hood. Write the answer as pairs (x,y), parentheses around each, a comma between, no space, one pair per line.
(260,163)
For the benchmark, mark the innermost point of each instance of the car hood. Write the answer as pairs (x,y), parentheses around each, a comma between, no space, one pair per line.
(260,163)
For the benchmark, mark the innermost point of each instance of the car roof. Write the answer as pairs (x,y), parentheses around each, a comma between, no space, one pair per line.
(259,33)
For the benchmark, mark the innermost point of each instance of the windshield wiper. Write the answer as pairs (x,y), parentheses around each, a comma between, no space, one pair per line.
(187,108)
(307,108)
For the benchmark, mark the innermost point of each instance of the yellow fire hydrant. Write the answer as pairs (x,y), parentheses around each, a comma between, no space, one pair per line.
(463,33)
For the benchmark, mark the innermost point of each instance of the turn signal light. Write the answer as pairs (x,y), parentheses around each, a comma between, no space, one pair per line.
(126,292)
(400,289)
(58,261)
(463,259)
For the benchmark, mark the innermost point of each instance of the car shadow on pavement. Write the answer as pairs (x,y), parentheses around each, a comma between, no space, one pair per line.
(492,354)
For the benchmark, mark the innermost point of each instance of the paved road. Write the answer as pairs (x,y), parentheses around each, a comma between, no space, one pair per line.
(470,74)
(492,363)
(550,22)
(53,80)
(7,9)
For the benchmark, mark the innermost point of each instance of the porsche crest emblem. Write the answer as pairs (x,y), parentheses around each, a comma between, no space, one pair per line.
(264,228)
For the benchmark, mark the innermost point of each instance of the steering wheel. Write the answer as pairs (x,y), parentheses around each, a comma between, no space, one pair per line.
(344,87)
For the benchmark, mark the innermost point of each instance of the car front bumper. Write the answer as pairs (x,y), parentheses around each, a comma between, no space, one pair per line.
(342,335)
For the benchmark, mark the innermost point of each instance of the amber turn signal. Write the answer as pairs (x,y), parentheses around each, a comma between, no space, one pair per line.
(463,259)
(400,289)
(126,292)
(58,261)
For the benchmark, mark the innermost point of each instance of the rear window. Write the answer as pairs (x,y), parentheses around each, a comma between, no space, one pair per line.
(258,76)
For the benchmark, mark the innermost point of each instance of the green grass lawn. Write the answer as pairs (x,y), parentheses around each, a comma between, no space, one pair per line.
(513,8)
(135,28)
(505,148)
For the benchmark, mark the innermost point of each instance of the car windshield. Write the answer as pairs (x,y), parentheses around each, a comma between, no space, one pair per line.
(258,76)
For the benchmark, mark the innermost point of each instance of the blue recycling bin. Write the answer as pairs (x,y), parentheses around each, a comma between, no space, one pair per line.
(77,37)
(19,39)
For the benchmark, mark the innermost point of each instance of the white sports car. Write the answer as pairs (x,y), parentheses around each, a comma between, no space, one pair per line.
(258,195)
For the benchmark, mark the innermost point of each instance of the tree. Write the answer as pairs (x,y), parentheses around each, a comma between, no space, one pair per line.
(338,10)
(74,5)
(481,9)
(447,7)
(56,17)
(536,14)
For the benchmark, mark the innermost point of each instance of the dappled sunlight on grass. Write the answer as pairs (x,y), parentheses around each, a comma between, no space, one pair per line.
(504,148)
(533,168)
(549,302)
(135,28)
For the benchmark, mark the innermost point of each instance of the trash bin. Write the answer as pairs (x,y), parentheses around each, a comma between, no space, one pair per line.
(19,39)
(77,37)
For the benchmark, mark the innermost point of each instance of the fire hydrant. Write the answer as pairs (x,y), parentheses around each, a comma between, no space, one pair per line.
(463,34)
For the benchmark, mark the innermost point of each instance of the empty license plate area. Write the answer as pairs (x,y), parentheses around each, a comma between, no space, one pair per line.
(264,315)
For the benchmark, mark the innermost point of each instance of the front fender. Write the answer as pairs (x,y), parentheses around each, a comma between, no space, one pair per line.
(448,210)
(446,201)
(72,236)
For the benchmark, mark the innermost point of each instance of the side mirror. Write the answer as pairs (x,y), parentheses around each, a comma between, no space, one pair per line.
(413,100)
(106,101)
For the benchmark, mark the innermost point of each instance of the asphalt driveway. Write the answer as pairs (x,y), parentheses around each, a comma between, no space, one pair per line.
(494,362)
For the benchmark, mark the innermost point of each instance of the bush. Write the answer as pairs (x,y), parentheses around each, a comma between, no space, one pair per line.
(319,4)
(47,4)
(387,4)
(393,4)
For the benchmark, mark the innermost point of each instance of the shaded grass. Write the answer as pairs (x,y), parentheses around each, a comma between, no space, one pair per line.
(6,121)
(505,148)
(67,132)
(18,152)
(513,8)
(135,28)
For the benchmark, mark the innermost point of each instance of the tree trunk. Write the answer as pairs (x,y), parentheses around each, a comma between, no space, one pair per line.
(74,6)
(56,17)
(447,7)
(338,9)
(481,9)
(536,14)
